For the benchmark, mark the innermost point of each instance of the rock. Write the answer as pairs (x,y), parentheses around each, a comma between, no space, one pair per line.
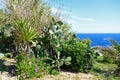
(1,55)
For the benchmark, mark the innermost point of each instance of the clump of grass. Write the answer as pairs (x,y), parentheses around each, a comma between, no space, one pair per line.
(104,70)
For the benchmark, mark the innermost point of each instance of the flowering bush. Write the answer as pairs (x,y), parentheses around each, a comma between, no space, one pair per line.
(28,66)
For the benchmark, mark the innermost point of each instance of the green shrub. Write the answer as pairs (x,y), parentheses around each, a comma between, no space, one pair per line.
(117,60)
(81,54)
(21,25)
(54,72)
(107,58)
(109,55)
(27,66)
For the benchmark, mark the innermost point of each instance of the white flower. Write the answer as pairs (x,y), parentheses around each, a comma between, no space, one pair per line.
(50,31)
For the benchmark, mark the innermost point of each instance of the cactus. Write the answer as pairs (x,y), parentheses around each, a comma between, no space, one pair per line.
(52,42)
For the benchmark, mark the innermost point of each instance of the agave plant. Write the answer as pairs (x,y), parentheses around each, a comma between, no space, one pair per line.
(23,34)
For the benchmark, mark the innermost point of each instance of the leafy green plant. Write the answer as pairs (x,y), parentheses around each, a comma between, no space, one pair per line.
(54,72)
(109,54)
(52,43)
(80,52)
(23,34)
(27,66)
(25,21)
(31,18)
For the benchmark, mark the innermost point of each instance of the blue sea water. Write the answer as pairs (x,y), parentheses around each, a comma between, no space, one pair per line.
(99,39)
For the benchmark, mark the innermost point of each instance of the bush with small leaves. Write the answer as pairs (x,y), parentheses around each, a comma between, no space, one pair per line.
(81,53)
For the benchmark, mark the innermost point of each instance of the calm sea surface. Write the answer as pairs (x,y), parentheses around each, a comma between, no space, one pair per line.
(99,39)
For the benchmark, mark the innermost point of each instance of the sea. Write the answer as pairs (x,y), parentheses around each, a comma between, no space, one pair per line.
(100,39)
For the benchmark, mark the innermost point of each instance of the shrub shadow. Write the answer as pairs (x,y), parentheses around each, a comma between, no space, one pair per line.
(4,67)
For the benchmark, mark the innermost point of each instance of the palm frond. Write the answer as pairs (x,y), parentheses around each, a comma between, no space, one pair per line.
(26,33)
(113,42)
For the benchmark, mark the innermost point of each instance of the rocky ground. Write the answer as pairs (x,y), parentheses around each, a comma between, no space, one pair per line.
(61,76)
(69,76)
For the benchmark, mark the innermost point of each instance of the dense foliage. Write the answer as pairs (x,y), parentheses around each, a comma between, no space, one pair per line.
(27,66)
(81,53)
(40,42)
(109,54)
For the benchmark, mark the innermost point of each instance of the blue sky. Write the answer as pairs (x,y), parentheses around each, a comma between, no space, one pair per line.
(91,16)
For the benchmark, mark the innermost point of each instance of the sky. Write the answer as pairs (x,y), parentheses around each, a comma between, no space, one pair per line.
(1,4)
(91,16)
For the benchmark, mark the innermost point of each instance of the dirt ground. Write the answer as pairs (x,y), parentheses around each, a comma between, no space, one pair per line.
(64,75)
(61,76)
